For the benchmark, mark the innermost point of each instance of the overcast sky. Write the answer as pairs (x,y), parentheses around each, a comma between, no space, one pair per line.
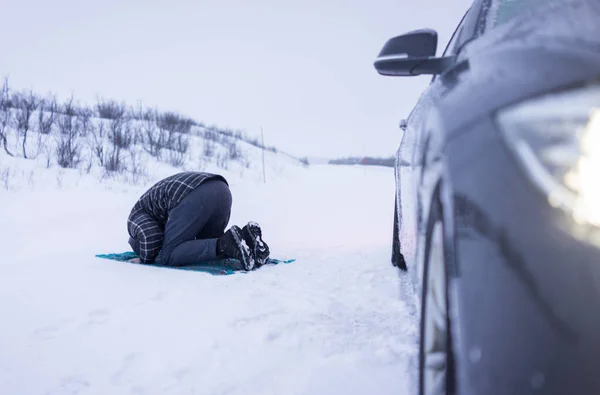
(302,70)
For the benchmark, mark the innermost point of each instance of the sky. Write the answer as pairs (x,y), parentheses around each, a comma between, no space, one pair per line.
(302,71)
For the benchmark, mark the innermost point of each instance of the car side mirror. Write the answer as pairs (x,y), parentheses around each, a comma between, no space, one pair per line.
(412,54)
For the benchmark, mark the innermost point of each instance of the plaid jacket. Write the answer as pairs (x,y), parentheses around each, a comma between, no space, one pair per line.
(146,222)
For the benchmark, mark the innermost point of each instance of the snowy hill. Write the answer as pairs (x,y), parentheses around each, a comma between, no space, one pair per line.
(333,322)
(111,140)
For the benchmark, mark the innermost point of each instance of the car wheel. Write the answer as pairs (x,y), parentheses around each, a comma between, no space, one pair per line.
(435,344)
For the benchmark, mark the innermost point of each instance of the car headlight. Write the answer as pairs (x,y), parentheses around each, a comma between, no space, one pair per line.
(557,140)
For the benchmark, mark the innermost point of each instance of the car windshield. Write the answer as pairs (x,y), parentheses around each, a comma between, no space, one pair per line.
(503,11)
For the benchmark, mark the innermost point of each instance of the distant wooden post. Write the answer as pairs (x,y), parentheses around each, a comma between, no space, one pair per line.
(262,136)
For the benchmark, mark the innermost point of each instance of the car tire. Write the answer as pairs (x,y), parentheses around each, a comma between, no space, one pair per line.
(397,258)
(436,367)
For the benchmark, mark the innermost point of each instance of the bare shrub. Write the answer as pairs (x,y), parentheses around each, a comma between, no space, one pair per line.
(90,163)
(211,134)
(175,158)
(181,143)
(59,178)
(84,119)
(69,107)
(136,112)
(201,165)
(175,123)
(234,151)
(110,109)
(25,104)
(227,132)
(47,115)
(48,154)
(120,133)
(68,150)
(114,161)
(136,166)
(97,142)
(254,142)
(153,137)
(30,179)
(208,148)
(173,138)
(110,137)
(222,161)
(5,115)
(120,137)
(245,162)
(5,178)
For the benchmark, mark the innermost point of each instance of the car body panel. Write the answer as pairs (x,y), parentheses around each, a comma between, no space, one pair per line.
(527,287)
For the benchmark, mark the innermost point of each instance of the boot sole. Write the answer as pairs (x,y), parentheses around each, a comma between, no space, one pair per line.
(247,259)
(261,249)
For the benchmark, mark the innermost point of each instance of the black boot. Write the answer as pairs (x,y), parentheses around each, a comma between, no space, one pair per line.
(232,245)
(258,248)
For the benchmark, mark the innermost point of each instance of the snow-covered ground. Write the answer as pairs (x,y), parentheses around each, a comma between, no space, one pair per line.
(334,322)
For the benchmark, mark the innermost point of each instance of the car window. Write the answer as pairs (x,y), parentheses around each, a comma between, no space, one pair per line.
(451,47)
(498,12)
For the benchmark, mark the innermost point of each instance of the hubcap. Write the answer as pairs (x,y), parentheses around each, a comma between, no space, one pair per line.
(436,323)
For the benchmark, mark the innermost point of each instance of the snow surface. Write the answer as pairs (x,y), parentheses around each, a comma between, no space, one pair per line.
(334,322)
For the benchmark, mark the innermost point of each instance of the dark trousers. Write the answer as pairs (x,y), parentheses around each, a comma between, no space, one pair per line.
(194,225)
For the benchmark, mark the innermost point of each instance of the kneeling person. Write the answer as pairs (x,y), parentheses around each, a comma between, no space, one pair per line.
(181,220)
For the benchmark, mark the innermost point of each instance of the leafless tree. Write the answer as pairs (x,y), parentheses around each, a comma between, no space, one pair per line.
(25,104)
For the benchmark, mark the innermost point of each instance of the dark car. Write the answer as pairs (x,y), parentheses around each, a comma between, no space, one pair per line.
(497,216)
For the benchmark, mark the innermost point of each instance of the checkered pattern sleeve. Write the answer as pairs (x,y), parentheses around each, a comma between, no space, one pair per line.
(149,235)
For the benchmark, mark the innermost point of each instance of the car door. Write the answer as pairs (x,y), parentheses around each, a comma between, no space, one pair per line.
(409,159)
